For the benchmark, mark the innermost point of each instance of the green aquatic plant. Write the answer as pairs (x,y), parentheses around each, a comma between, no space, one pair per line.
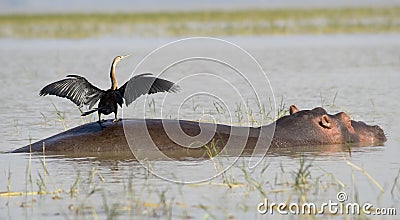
(363,171)
(282,110)
(303,174)
(73,190)
(111,212)
(60,116)
(396,184)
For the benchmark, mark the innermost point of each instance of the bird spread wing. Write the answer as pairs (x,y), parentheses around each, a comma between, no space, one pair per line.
(75,88)
(145,83)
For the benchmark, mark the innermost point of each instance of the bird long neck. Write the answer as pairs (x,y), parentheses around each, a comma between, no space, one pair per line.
(114,83)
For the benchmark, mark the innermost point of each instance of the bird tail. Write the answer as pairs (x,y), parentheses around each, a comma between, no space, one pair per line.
(89,112)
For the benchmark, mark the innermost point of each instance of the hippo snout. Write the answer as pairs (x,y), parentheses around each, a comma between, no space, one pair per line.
(379,133)
(367,133)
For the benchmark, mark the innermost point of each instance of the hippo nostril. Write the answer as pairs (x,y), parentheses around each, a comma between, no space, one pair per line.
(380,134)
(377,129)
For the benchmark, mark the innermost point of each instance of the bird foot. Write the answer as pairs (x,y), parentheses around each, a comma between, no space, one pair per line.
(100,123)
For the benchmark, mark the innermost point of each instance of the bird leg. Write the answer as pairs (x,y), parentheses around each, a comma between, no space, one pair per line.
(100,120)
(115,118)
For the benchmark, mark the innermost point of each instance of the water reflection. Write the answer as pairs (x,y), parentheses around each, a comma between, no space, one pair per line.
(316,151)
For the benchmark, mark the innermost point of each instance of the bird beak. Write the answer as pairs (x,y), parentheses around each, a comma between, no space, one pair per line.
(122,57)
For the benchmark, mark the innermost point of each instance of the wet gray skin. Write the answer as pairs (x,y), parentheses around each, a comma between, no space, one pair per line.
(300,128)
(316,126)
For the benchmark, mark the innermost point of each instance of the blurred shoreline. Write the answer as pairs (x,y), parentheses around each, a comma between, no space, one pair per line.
(129,6)
(247,22)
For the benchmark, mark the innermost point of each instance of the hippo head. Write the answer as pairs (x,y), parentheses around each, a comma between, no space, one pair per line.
(316,126)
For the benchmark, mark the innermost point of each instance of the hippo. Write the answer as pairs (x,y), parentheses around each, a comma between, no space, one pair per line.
(299,128)
(316,126)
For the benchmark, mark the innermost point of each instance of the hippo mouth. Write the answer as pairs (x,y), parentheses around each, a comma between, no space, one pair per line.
(367,133)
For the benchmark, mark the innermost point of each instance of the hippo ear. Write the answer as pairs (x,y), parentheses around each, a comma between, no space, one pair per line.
(293,109)
(326,121)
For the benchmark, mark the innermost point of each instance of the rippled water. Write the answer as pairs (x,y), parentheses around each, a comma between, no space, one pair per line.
(357,74)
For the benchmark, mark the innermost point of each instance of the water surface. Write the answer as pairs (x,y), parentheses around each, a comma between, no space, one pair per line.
(357,74)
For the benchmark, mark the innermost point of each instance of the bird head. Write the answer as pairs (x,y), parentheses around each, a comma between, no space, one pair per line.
(119,58)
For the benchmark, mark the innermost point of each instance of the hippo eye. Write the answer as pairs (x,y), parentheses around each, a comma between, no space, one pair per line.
(319,110)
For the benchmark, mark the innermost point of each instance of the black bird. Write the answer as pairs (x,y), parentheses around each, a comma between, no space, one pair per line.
(80,91)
